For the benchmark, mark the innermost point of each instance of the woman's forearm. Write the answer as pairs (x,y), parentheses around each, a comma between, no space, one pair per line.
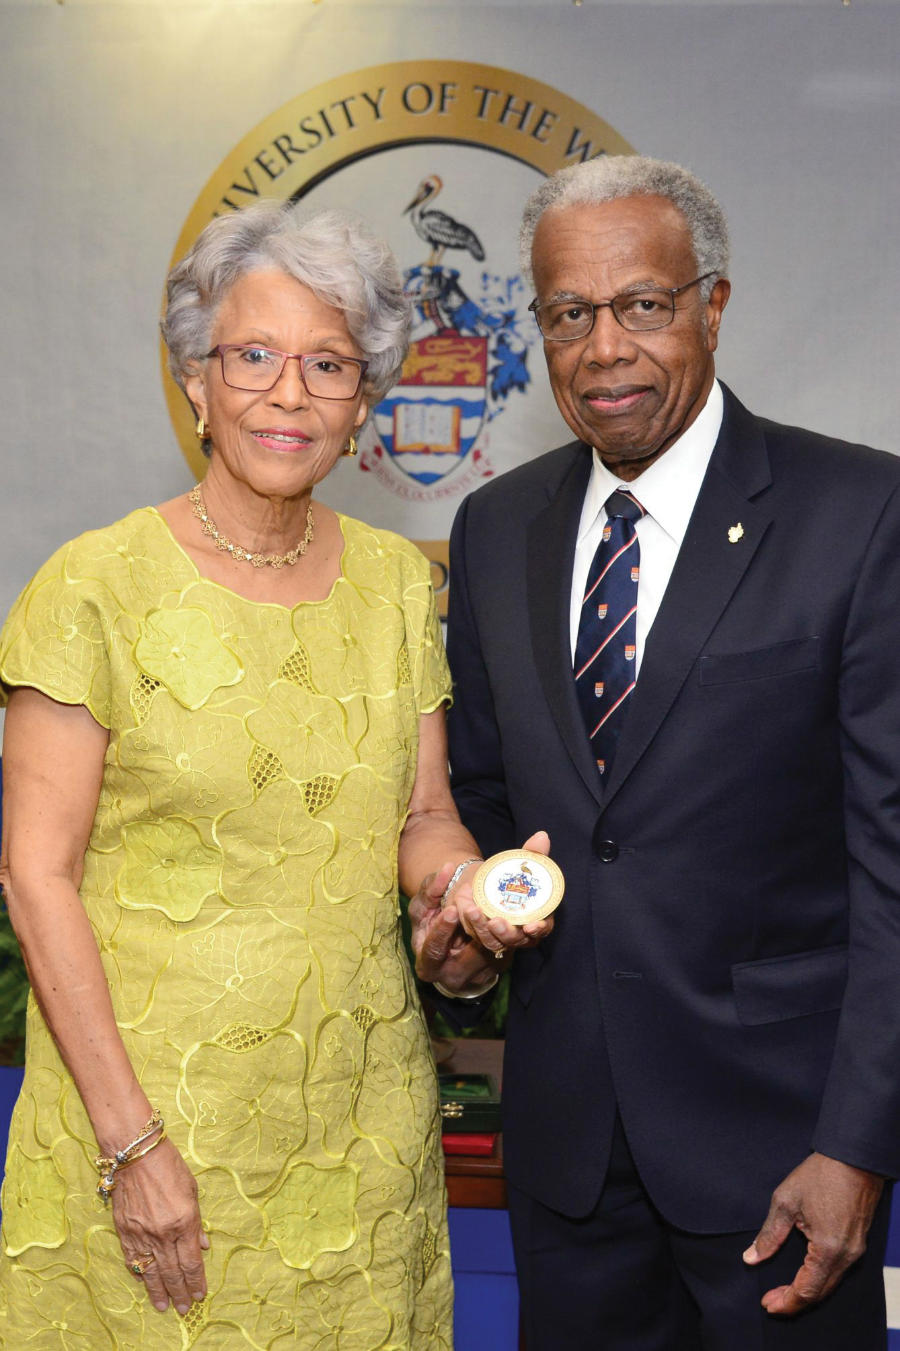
(429,840)
(433,834)
(70,986)
(53,756)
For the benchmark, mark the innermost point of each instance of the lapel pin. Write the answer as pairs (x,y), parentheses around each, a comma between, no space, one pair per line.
(735,532)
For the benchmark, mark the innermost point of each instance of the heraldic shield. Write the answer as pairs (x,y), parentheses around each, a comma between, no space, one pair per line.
(429,421)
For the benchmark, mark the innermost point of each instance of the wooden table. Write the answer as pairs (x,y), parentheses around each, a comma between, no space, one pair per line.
(476,1180)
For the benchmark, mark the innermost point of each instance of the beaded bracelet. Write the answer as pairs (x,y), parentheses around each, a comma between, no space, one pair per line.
(130,1154)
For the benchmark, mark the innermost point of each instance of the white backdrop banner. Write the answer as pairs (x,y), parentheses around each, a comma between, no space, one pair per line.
(127,126)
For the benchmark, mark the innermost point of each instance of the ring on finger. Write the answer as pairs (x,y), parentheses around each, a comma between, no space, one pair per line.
(141,1263)
(499,954)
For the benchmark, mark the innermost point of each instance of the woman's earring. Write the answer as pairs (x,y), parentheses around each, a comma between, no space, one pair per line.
(201,429)
(352,447)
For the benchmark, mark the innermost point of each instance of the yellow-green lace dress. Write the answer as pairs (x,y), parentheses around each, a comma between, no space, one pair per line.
(241,880)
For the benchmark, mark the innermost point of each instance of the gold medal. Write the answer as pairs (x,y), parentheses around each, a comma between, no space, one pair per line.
(519,886)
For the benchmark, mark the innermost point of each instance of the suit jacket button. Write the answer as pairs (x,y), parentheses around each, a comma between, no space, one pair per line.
(607,851)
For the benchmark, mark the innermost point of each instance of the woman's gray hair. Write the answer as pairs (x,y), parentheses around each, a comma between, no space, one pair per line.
(612,176)
(331,251)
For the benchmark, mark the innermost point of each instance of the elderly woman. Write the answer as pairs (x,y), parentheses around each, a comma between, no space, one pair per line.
(224,748)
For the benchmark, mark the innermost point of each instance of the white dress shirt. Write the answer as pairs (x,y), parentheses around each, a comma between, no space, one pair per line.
(667,491)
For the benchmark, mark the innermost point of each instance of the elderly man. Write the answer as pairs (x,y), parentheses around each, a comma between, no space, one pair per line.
(676,648)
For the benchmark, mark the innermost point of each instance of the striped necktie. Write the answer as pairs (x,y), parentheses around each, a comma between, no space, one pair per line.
(607,630)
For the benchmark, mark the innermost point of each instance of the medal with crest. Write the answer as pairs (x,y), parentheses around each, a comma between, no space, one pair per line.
(519,886)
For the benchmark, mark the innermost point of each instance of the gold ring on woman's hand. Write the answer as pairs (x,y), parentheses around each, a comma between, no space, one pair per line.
(140,1264)
(499,954)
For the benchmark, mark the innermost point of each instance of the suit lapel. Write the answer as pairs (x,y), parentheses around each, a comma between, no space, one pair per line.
(709,567)
(551,551)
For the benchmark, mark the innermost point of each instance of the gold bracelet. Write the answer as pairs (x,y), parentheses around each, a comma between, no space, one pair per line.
(121,1155)
(163,1135)
(109,1166)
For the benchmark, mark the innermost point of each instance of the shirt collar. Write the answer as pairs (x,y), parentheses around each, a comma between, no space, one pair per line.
(669,489)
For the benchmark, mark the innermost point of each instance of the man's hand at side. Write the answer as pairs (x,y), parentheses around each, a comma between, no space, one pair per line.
(832,1204)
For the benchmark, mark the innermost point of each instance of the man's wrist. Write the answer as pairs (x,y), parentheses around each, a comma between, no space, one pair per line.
(473,994)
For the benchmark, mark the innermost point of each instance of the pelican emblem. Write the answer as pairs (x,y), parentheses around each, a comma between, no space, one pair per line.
(467,358)
(439,230)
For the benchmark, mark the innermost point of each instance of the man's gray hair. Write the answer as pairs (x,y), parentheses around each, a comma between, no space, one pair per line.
(613,176)
(331,251)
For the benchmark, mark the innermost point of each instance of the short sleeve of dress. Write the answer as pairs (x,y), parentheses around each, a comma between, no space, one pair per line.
(54,639)
(428,660)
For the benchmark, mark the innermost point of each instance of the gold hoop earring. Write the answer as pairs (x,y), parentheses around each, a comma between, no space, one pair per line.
(202,430)
(352,447)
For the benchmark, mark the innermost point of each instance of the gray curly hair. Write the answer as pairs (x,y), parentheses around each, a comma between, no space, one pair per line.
(331,251)
(612,176)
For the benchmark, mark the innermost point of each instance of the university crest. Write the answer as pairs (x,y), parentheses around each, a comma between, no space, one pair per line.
(469,353)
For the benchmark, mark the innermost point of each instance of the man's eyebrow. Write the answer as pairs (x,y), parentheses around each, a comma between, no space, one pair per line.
(648,285)
(634,288)
(559,297)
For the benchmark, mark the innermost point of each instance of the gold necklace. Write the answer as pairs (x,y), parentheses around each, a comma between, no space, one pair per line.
(244,555)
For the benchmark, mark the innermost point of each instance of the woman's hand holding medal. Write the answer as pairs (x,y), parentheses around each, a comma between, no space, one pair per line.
(464,924)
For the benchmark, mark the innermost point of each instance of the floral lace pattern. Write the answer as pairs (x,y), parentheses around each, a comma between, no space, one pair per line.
(241,880)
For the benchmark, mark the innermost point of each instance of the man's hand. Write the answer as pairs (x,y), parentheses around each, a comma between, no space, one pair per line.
(832,1204)
(456,944)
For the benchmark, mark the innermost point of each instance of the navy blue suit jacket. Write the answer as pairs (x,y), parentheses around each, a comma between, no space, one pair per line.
(725,966)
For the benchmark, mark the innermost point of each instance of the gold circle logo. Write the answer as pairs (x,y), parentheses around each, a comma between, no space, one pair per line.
(386,141)
(378,111)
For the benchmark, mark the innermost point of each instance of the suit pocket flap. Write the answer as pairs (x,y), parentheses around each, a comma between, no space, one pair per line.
(789,987)
(800,654)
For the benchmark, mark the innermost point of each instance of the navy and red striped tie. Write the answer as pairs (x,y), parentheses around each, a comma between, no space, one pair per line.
(605,652)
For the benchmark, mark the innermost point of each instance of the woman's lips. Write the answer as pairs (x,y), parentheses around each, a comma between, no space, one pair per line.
(281,438)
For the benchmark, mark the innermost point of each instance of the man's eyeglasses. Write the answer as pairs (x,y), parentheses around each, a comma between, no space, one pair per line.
(638,311)
(324,375)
